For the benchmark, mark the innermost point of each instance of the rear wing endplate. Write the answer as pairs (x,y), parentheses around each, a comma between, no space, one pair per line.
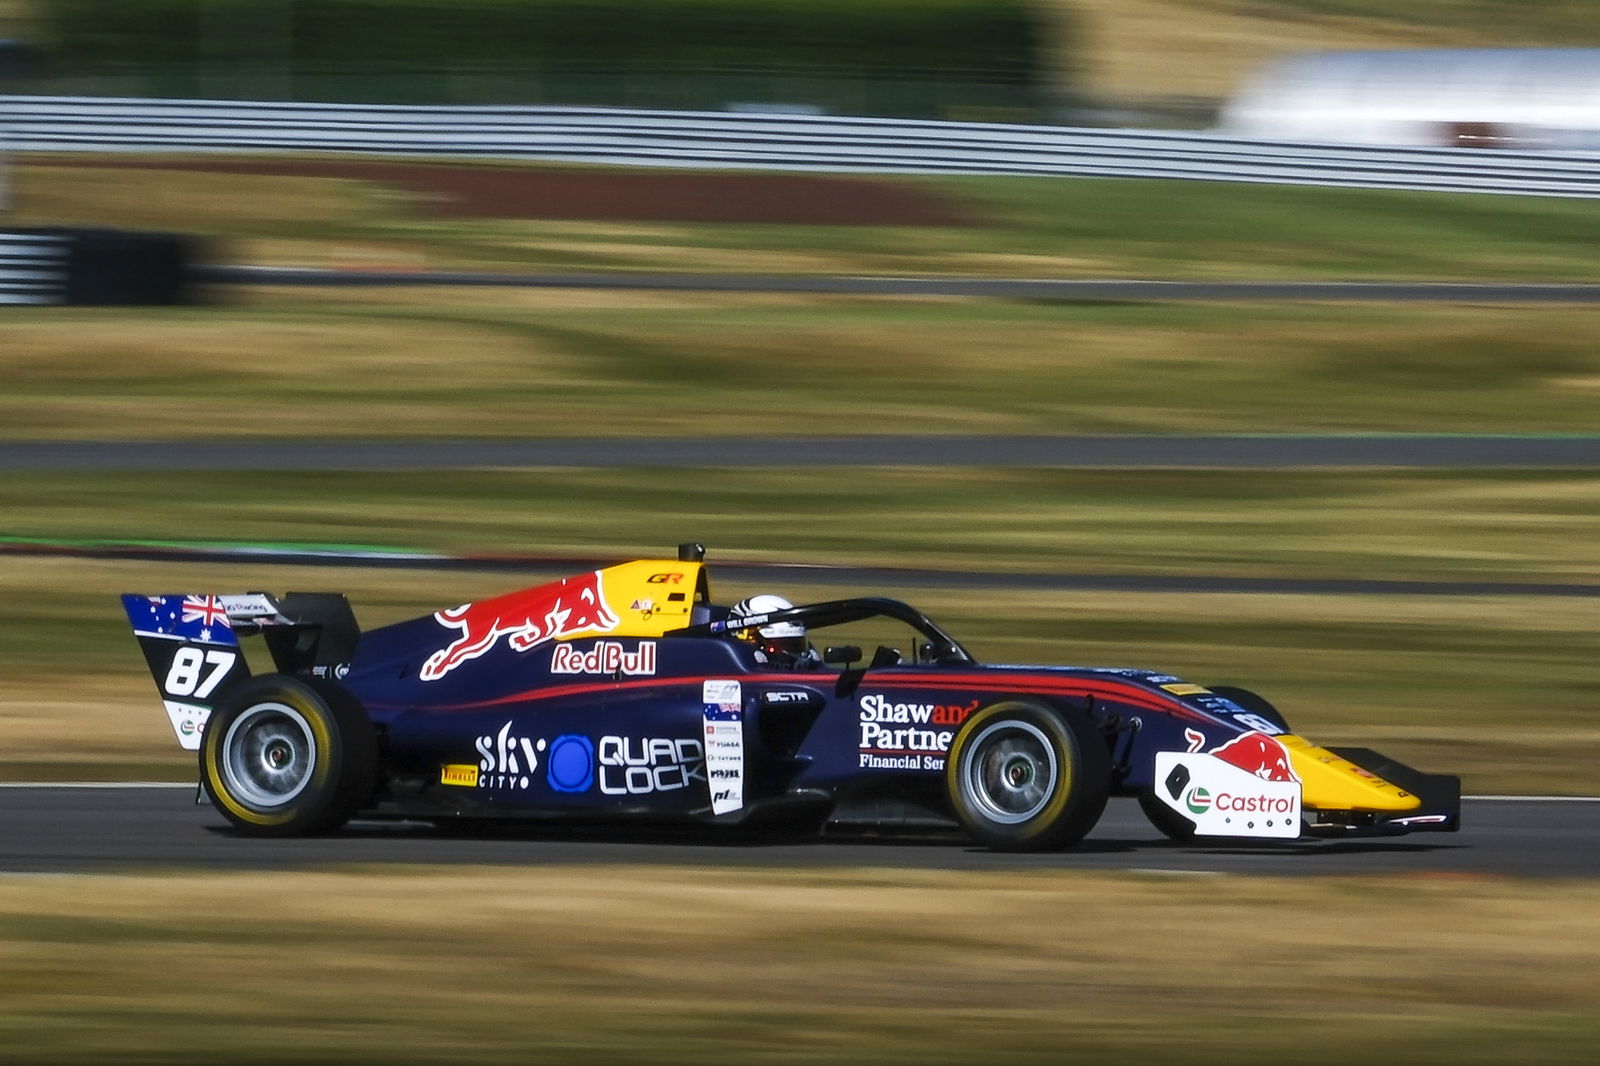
(191,644)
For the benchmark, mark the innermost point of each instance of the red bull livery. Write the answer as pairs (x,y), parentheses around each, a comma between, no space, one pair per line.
(628,693)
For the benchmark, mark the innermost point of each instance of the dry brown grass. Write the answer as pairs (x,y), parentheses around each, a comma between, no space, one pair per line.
(670,964)
(187,201)
(420,362)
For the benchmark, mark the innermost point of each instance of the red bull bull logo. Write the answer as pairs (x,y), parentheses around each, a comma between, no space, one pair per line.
(1258,755)
(574,607)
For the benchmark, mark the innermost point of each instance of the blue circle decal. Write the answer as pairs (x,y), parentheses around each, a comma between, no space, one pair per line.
(570,767)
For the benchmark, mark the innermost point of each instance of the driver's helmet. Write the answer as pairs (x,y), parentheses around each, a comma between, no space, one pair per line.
(779,643)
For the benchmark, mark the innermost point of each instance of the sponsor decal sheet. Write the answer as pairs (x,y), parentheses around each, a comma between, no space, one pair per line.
(723,722)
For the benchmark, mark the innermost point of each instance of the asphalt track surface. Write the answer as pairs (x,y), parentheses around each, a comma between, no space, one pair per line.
(64,829)
(1083,291)
(1249,452)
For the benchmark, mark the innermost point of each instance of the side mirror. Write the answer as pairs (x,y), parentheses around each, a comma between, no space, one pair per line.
(842,655)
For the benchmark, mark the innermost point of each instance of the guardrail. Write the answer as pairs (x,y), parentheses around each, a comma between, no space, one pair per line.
(99,267)
(33,268)
(768,141)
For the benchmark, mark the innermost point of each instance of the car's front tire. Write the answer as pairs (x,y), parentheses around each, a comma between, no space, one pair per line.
(1254,703)
(1172,825)
(1025,777)
(288,756)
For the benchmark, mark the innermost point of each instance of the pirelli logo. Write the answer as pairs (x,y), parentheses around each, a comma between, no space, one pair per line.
(464,775)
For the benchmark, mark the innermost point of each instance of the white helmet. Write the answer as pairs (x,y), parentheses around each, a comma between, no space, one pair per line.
(783,640)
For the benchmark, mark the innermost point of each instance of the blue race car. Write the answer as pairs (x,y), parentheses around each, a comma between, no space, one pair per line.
(626,692)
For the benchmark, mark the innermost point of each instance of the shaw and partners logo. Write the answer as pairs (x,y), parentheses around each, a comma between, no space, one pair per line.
(902,729)
(525,619)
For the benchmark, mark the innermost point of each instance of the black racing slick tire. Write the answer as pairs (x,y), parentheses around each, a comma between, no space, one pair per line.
(1025,777)
(1171,824)
(288,756)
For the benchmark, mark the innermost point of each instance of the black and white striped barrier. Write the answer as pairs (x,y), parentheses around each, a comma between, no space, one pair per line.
(33,268)
(88,267)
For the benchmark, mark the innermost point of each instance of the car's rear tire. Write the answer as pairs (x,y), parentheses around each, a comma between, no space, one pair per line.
(1025,777)
(288,756)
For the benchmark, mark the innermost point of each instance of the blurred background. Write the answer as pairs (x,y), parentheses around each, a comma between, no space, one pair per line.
(129,223)
(1159,61)
(1442,612)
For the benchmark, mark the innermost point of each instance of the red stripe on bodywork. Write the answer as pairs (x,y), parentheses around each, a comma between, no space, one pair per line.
(1053,686)
(965,682)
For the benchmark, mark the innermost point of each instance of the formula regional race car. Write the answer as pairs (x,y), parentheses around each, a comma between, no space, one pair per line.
(627,692)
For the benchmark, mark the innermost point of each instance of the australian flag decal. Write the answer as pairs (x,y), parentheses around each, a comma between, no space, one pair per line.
(191,618)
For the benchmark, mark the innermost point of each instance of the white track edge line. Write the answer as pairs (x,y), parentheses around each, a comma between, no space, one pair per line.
(98,784)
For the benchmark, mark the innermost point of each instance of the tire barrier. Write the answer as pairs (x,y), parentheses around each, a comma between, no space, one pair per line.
(753,141)
(94,267)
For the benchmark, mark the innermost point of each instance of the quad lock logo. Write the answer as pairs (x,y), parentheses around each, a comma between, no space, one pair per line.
(636,767)
(624,766)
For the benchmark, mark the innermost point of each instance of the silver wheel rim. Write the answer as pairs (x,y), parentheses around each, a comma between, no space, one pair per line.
(1009,772)
(268,756)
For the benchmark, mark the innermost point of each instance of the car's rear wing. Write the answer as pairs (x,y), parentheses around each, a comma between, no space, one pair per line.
(191,643)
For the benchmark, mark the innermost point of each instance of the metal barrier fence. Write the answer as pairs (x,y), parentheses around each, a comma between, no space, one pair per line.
(765,141)
(100,267)
(33,268)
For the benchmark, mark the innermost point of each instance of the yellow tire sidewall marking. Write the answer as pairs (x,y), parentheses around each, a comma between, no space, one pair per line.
(1064,750)
(322,736)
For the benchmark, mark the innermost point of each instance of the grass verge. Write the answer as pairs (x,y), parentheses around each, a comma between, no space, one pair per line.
(1445,525)
(1019,226)
(670,965)
(477,364)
